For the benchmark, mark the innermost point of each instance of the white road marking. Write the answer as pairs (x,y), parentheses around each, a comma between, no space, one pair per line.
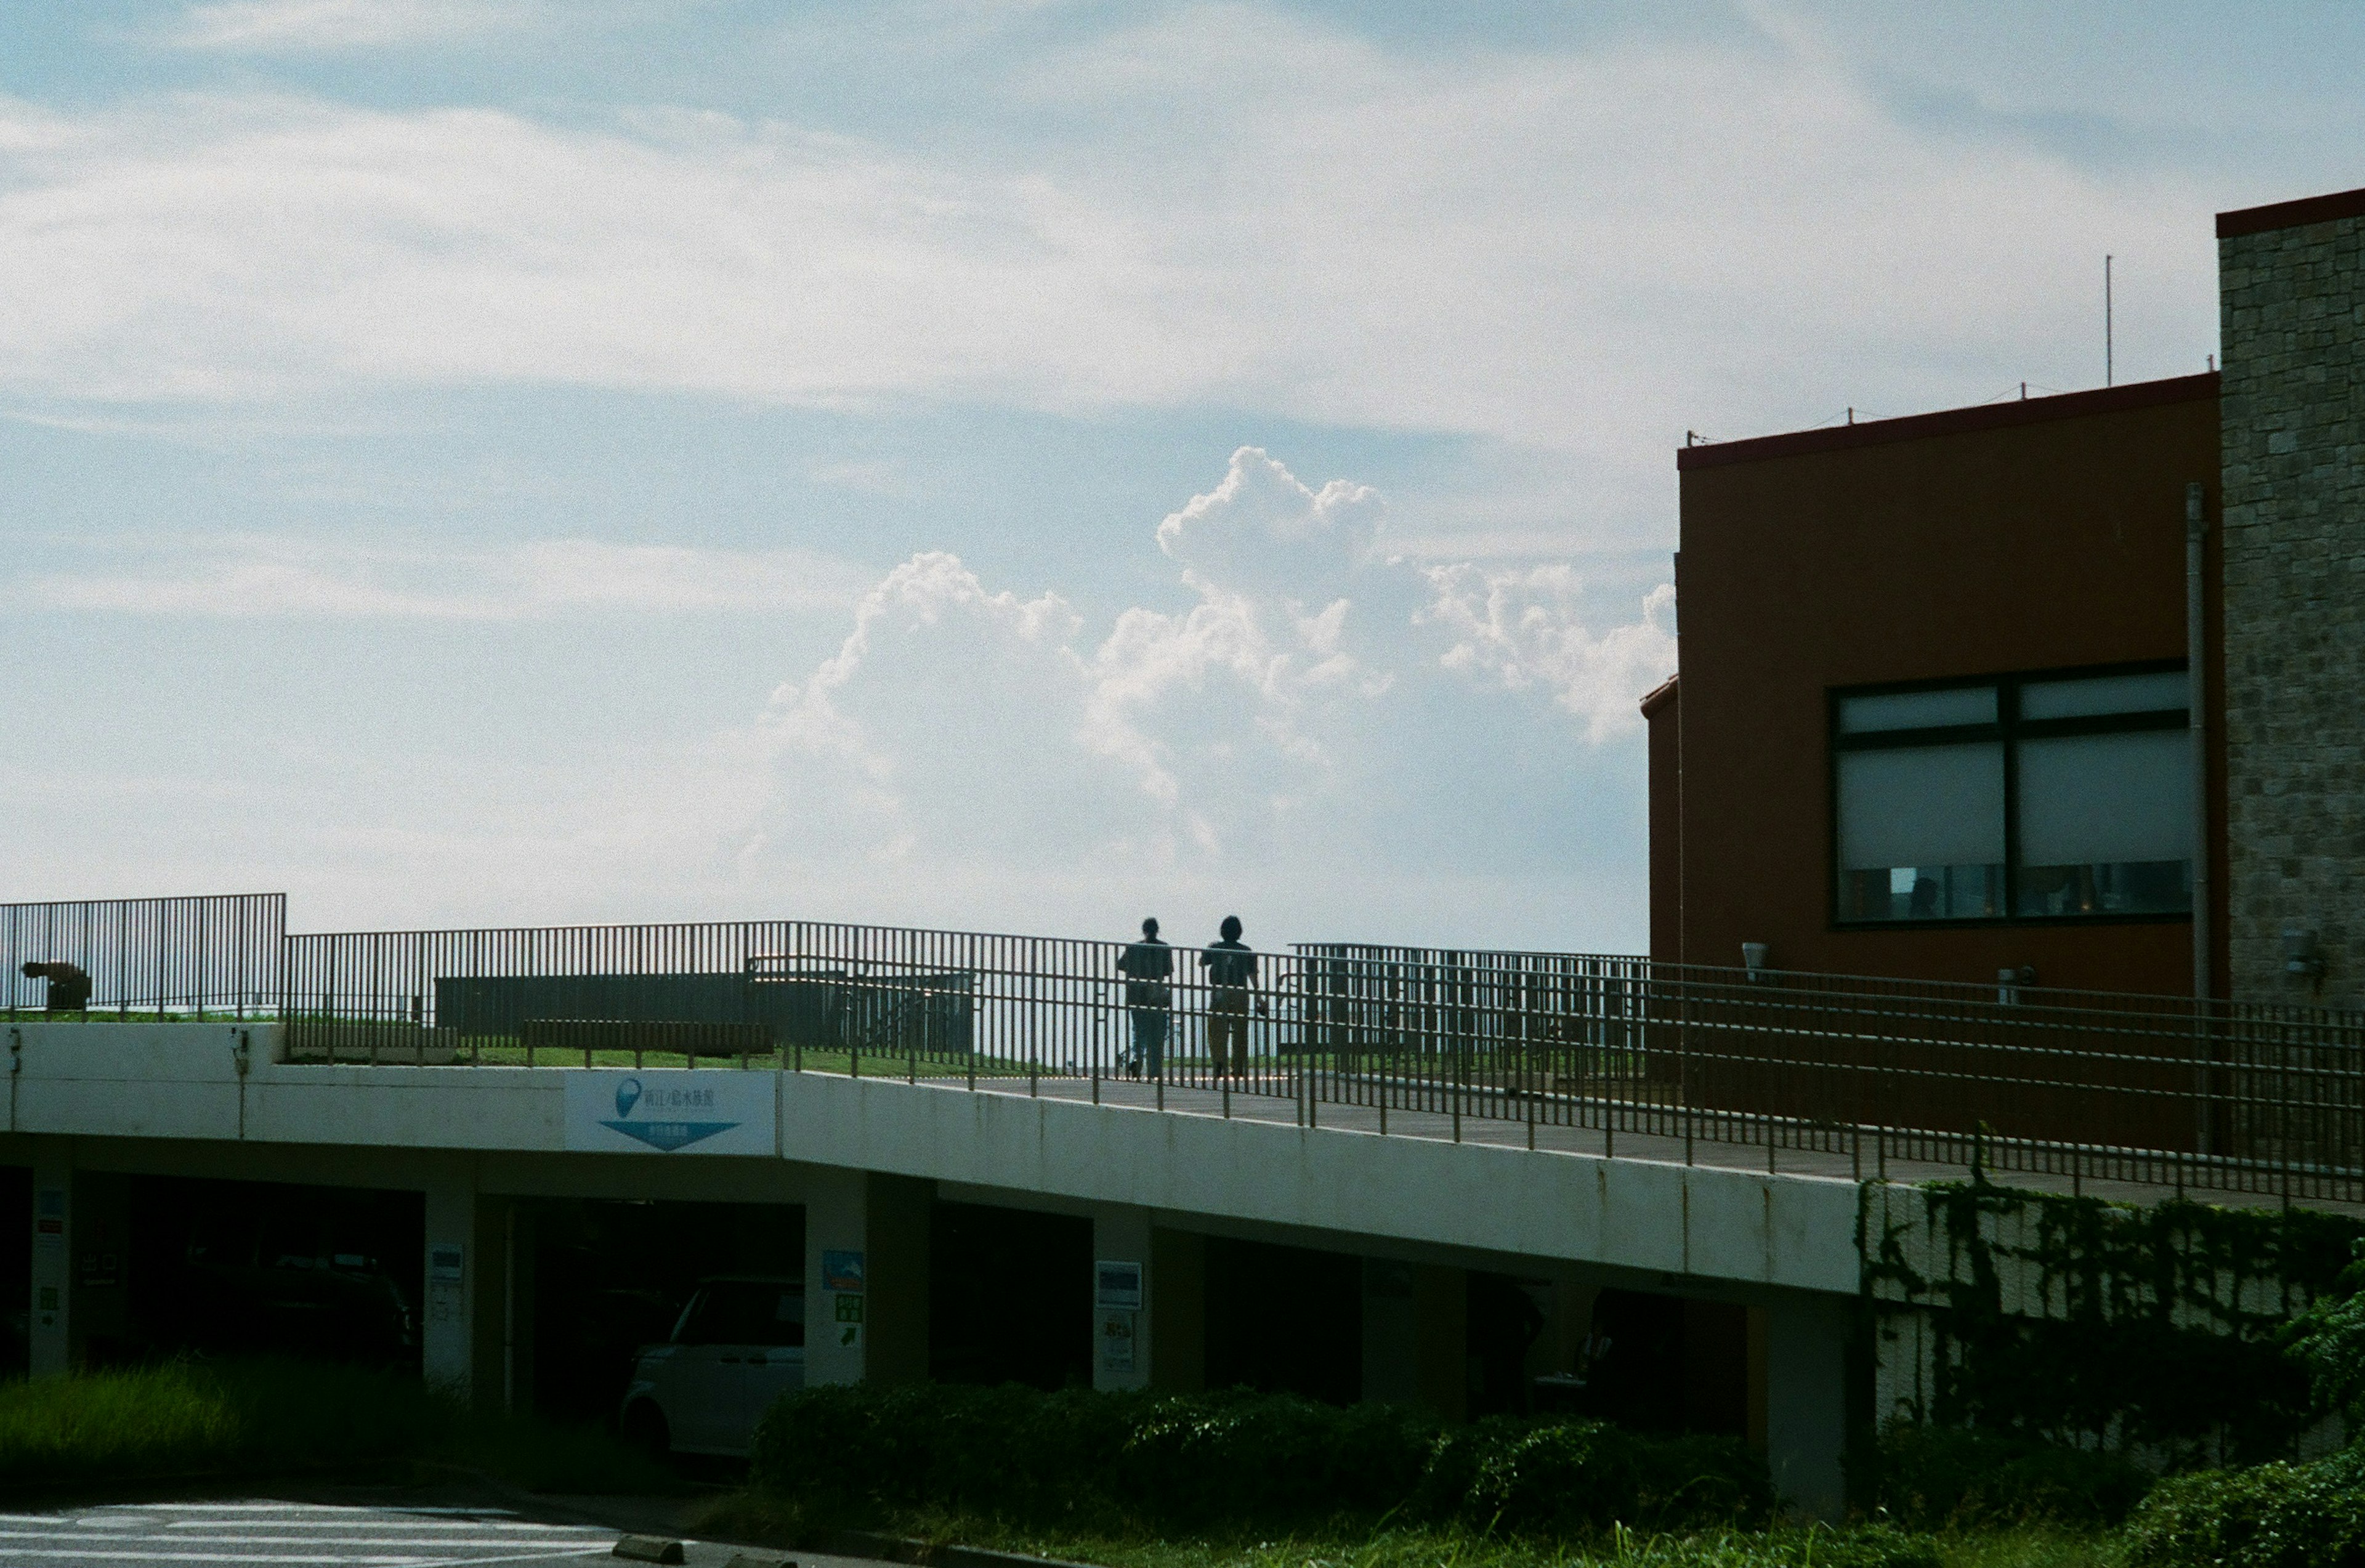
(406,1522)
(344,1560)
(244,1535)
(247,1557)
(440,1544)
(313,1508)
(253,1507)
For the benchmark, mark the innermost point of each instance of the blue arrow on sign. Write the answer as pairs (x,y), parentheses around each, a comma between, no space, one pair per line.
(670,1135)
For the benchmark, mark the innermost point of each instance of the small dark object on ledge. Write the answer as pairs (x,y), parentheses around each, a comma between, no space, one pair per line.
(69,987)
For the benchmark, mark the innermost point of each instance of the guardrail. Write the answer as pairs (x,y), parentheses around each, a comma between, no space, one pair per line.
(2086,1086)
(168,958)
(2079,1085)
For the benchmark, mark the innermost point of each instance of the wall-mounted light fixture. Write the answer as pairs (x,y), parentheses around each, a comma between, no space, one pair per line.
(2009,982)
(2302,959)
(1753,958)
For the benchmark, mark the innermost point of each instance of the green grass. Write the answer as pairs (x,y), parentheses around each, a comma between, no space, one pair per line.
(754,1517)
(259,1418)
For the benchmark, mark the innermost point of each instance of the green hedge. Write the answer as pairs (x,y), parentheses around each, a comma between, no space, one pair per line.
(2268,1515)
(1078,1461)
(1949,1478)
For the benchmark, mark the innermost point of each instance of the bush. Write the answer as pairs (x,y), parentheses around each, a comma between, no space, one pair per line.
(1080,1462)
(1948,1478)
(2267,1516)
(267,1416)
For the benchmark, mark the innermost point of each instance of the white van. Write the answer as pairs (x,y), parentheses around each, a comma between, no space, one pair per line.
(739,1345)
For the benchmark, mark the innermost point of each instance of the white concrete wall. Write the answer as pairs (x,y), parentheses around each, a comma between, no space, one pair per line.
(1796,1232)
(185,1082)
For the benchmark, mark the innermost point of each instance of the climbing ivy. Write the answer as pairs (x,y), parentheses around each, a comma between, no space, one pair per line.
(2163,1323)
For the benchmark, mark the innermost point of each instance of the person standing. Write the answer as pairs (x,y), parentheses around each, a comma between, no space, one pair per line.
(1147,967)
(1231,968)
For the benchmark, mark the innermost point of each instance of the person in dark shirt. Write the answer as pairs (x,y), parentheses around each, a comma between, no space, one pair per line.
(1231,968)
(69,986)
(1147,967)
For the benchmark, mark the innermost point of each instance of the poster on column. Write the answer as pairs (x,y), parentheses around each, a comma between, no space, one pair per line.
(670,1110)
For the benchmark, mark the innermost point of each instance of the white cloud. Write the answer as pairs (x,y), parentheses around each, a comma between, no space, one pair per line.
(1296,748)
(1310,690)
(1524,629)
(245,575)
(1583,253)
(274,27)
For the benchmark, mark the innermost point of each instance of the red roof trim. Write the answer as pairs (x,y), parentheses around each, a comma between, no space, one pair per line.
(1659,696)
(2291,214)
(1951,421)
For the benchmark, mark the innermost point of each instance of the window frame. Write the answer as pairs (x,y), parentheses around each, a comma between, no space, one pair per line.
(2007,731)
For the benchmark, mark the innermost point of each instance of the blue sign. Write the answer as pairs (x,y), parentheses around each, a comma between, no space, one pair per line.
(665,1109)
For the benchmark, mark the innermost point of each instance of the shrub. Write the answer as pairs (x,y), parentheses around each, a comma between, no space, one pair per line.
(2327,1341)
(1563,1478)
(1942,1477)
(2267,1516)
(1075,1461)
(269,1417)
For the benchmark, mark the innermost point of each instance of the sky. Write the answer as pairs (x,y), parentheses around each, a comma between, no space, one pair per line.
(1007,464)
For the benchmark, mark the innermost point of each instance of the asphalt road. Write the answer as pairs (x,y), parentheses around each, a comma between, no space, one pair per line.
(300,1535)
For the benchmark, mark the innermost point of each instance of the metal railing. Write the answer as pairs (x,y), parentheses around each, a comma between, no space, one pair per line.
(2252,1097)
(162,957)
(1862,1073)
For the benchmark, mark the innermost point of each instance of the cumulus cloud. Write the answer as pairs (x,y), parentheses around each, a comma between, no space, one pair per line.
(279,576)
(1301,744)
(1522,628)
(1299,696)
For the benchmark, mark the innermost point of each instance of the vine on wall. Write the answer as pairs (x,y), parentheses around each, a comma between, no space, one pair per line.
(2093,1323)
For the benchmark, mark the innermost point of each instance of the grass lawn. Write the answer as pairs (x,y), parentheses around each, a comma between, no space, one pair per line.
(753,1516)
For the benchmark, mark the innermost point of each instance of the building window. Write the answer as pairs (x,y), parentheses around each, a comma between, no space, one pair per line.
(2054,797)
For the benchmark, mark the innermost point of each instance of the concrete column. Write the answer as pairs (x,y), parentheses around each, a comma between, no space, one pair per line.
(867,1277)
(837,1238)
(100,1256)
(1178,1333)
(448,1323)
(1806,1401)
(1125,1341)
(48,1336)
(1391,1335)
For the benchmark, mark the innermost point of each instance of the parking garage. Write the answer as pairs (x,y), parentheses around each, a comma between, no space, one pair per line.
(498,1229)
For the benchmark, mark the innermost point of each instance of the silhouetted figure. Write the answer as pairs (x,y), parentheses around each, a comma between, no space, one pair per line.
(69,987)
(1231,974)
(1148,965)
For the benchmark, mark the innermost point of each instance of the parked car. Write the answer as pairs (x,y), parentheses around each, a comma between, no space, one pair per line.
(340,1306)
(739,1345)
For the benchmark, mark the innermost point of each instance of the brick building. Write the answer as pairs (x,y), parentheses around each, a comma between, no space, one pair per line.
(2069,688)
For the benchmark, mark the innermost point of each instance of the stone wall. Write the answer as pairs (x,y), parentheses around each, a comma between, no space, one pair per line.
(2292,302)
